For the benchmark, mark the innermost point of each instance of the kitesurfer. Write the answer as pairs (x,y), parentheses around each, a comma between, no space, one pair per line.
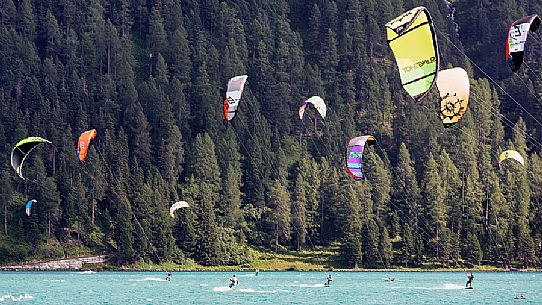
(469,280)
(168,276)
(233,281)
(329,280)
(257,271)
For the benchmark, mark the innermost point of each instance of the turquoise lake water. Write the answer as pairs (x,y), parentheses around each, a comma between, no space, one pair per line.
(268,288)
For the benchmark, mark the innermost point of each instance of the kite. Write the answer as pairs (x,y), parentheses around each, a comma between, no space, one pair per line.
(177,205)
(233,95)
(453,85)
(413,42)
(517,36)
(511,154)
(84,142)
(29,206)
(354,155)
(22,149)
(317,102)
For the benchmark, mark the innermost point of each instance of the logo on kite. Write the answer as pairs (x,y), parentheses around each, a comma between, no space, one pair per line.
(234,92)
(453,86)
(517,36)
(418,66)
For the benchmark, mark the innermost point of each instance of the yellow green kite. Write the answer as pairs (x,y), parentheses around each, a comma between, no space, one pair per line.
(413,41)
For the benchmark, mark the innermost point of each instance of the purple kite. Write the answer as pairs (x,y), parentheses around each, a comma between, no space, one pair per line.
(354,155)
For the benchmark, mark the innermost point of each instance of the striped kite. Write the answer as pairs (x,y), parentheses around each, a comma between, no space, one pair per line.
(354,155)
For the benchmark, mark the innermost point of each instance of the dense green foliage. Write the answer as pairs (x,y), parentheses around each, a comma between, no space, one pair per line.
(150,77)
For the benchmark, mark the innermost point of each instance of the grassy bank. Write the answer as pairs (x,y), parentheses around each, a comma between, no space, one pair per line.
(265,261)
(315,260)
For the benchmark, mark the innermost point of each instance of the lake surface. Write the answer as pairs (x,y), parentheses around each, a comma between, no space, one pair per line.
(268,288)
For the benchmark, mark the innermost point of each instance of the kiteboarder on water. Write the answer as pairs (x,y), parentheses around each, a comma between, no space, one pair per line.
(469,280)
(233,281)
(328,280)
(168,276)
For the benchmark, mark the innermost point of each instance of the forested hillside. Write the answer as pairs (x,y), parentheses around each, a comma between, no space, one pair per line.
(150,76)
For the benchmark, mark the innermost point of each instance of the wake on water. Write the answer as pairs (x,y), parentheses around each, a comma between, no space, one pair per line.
(309,285)
(21,297)
(154,279)
(246,290)
(263,291)
(87,272)
(452,286)
(447,286)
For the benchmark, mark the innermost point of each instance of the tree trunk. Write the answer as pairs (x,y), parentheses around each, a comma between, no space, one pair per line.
(6,218)
(49,227)
(93,206)
(438,244)
(276,238)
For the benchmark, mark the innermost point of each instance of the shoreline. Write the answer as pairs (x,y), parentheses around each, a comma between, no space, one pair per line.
(251,270)
(101,263)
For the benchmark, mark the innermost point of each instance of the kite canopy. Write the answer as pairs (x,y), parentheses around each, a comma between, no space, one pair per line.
(413,41)
(29,206)
(21,151)
(233,95)
(177,205)
(318,103)
(453,85)
(511,154)
(517,36)
(84,142)
(354,155)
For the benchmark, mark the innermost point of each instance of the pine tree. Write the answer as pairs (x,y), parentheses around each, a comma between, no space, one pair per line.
(26,22)
(280,204)
(350,216)
(451,187)
(8,13)
(179,55)
(433,200)
(124,227)
(518,180)
(406,201)
(300,207)
(207,251)
(380,178)
(157,37)
(535,176)
(5,197)
(229,207)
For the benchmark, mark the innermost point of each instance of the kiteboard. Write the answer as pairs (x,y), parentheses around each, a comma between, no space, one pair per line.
(469,288)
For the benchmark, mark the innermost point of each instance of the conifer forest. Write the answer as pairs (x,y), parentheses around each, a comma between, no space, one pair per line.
(151,76)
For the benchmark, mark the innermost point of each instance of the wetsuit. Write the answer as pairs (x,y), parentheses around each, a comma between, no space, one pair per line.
(469,280)
(233,282)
